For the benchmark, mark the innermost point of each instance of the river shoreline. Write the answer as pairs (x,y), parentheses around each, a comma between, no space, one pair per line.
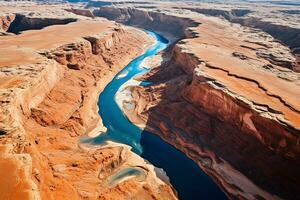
(120,130)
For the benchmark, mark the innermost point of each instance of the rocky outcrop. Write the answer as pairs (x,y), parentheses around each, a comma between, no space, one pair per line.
(79,59)
(178,27)
(169,25)
(227,14)
(202,101)
(17,165)
(222,97)
(83,12)
(278,137)
(228,138)
(287,35)
(5,22)
(23,23)
(16,101)
(50,100)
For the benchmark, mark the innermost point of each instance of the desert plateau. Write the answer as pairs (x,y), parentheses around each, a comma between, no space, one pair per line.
(150,100)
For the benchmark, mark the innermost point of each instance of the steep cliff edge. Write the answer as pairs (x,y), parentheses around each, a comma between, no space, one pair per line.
(212,99)
(49,91)
(170,25)
(288,35)
(5,21)
(224,97)
(23,23)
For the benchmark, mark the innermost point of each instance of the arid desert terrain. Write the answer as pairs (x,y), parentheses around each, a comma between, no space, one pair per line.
(150,100)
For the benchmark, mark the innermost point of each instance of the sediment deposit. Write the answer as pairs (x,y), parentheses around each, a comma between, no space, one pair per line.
(226,93)
(50,81)
(223,100)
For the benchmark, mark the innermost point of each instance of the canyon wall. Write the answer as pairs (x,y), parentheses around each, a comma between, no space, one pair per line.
(211,98)
(249,148)
(179,27)
(5,21)
(23,23)
(290,36)
(169,25)
(226,136)
(285,34)
(49,101)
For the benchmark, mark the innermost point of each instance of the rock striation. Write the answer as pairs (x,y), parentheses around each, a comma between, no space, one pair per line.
(5,21)
(50,81)
(285,33)
(225,93)
(170,25)
(23,23)
(233,122)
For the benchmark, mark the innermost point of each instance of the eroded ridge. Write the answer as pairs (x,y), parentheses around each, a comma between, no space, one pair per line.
(226,93)
(239,109)
(50,80)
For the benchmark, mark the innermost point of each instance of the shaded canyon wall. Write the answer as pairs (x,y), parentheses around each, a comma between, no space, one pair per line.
(250,155)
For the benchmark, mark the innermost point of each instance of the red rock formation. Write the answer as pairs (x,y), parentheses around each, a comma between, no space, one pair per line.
(213,104)
(83,12)
(287,35)
(23,23)
(5,22)
(49,100)
(224,99)
(160,22)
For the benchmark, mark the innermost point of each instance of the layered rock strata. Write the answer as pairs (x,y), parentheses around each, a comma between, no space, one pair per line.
(232,110)
(225,96)
(23,23)
(5,21)
(50,81)
(170,26)
(287,34)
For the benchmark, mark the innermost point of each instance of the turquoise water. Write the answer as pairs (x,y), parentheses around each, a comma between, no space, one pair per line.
(119,129)
(186,177)
(120,175)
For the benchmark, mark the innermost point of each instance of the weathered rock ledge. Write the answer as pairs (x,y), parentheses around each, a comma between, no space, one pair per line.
(50,81)
(232,110)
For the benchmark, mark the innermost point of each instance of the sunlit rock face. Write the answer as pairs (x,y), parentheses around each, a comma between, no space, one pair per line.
(226,93)
(212,98)
(52,71)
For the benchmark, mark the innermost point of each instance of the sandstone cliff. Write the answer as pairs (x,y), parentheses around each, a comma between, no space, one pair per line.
(171,26)
(50,81)
(5,21)
(284,33)
(225,95)
(214,101)
(23,23)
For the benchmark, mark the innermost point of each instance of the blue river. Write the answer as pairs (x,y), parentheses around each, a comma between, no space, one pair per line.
(190,182)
